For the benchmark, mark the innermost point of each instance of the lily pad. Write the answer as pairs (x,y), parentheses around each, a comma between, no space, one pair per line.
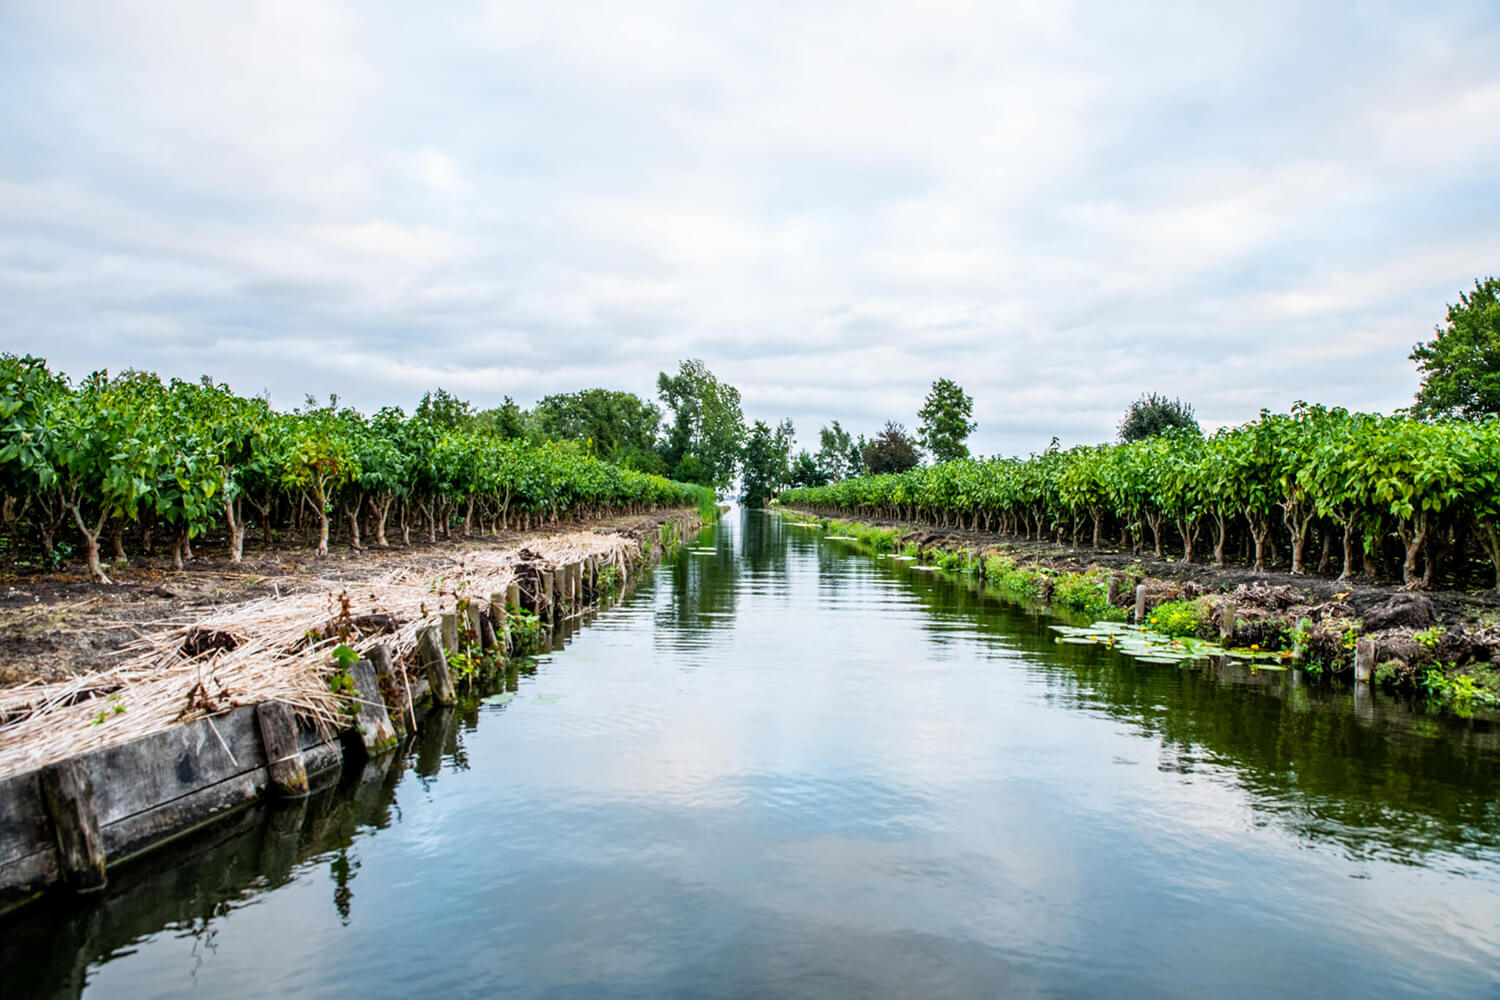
(503,698)
(546,699)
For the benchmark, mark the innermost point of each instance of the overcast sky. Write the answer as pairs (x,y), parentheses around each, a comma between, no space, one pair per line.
(1061,206)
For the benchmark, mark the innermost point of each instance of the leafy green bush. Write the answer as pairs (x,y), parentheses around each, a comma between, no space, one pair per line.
(1177,618)
(1083,592)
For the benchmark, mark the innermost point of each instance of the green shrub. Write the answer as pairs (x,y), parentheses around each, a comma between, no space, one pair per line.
(1083,592)
(1177,618)
(1004,575)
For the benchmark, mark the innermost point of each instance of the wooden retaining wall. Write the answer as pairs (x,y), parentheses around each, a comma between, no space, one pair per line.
(66,824)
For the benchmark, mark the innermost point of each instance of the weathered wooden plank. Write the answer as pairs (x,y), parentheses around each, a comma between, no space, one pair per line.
(475,631)
(23,878)
(23,820)
(380,656)
(146,772)
(546,607)
(376,733)
(285,767)
(181,816)
(68,794)
(430,646)
(450,631)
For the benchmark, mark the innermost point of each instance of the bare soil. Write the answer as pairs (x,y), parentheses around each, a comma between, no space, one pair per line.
(57,625)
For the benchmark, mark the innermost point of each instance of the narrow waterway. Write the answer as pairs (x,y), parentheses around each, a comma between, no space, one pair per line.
(783,768)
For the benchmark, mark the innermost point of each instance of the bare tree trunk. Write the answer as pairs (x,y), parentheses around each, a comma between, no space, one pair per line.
(236,529)
(382,509)
(1412,537)
(1259,529)
(90,543)
(1155,523)
(351,514)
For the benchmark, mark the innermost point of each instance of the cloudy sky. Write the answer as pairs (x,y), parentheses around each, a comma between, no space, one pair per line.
(1060,205)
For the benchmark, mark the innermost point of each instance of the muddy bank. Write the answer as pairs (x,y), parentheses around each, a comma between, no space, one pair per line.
(57,625)
(80,796)
(1441,643)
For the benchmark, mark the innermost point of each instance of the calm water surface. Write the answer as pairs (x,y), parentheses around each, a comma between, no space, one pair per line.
(784,768)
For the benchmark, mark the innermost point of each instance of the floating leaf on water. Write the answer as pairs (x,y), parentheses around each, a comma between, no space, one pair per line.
(503,698)
(546,699)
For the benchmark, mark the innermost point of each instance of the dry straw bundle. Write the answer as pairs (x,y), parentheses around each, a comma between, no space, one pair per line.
(274,648)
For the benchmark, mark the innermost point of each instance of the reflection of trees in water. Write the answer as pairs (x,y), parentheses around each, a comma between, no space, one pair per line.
(1386,778)
(763,542)
(703,588)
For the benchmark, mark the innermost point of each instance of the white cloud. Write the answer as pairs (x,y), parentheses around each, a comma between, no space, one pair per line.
(1060,205)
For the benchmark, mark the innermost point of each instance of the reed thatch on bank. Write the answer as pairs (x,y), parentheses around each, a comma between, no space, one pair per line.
(273,648)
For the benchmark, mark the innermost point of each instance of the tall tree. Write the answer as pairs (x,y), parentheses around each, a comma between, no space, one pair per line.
(616,424)
(892,450)
(1154,414)
(441,408)
(838,454)
(945,421)
(1460,366)
(766,467)
(708,427)
(806,471)
(504,421)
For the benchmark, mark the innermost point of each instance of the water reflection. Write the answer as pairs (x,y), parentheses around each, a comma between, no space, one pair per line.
(782,767)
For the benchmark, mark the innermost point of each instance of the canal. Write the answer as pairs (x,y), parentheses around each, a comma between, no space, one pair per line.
(782,767)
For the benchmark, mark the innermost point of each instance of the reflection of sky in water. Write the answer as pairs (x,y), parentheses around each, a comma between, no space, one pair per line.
(823,777)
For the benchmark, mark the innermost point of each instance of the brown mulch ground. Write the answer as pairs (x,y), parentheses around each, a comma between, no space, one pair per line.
(57,625)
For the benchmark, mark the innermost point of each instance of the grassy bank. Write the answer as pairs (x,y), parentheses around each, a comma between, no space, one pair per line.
(1422,650)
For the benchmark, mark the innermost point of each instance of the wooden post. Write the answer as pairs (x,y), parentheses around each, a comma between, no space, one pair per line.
(559,591)
(475,627)
(399,706)
(1226,620)
(544,602)
(1364,659)
(1112,596)
(513,595)
(486,634)
(430,646)
(575,582)
(374,722)
(499,616)
(278,734)
(450,631)
(68,794)
(1140,604)
(380,656)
